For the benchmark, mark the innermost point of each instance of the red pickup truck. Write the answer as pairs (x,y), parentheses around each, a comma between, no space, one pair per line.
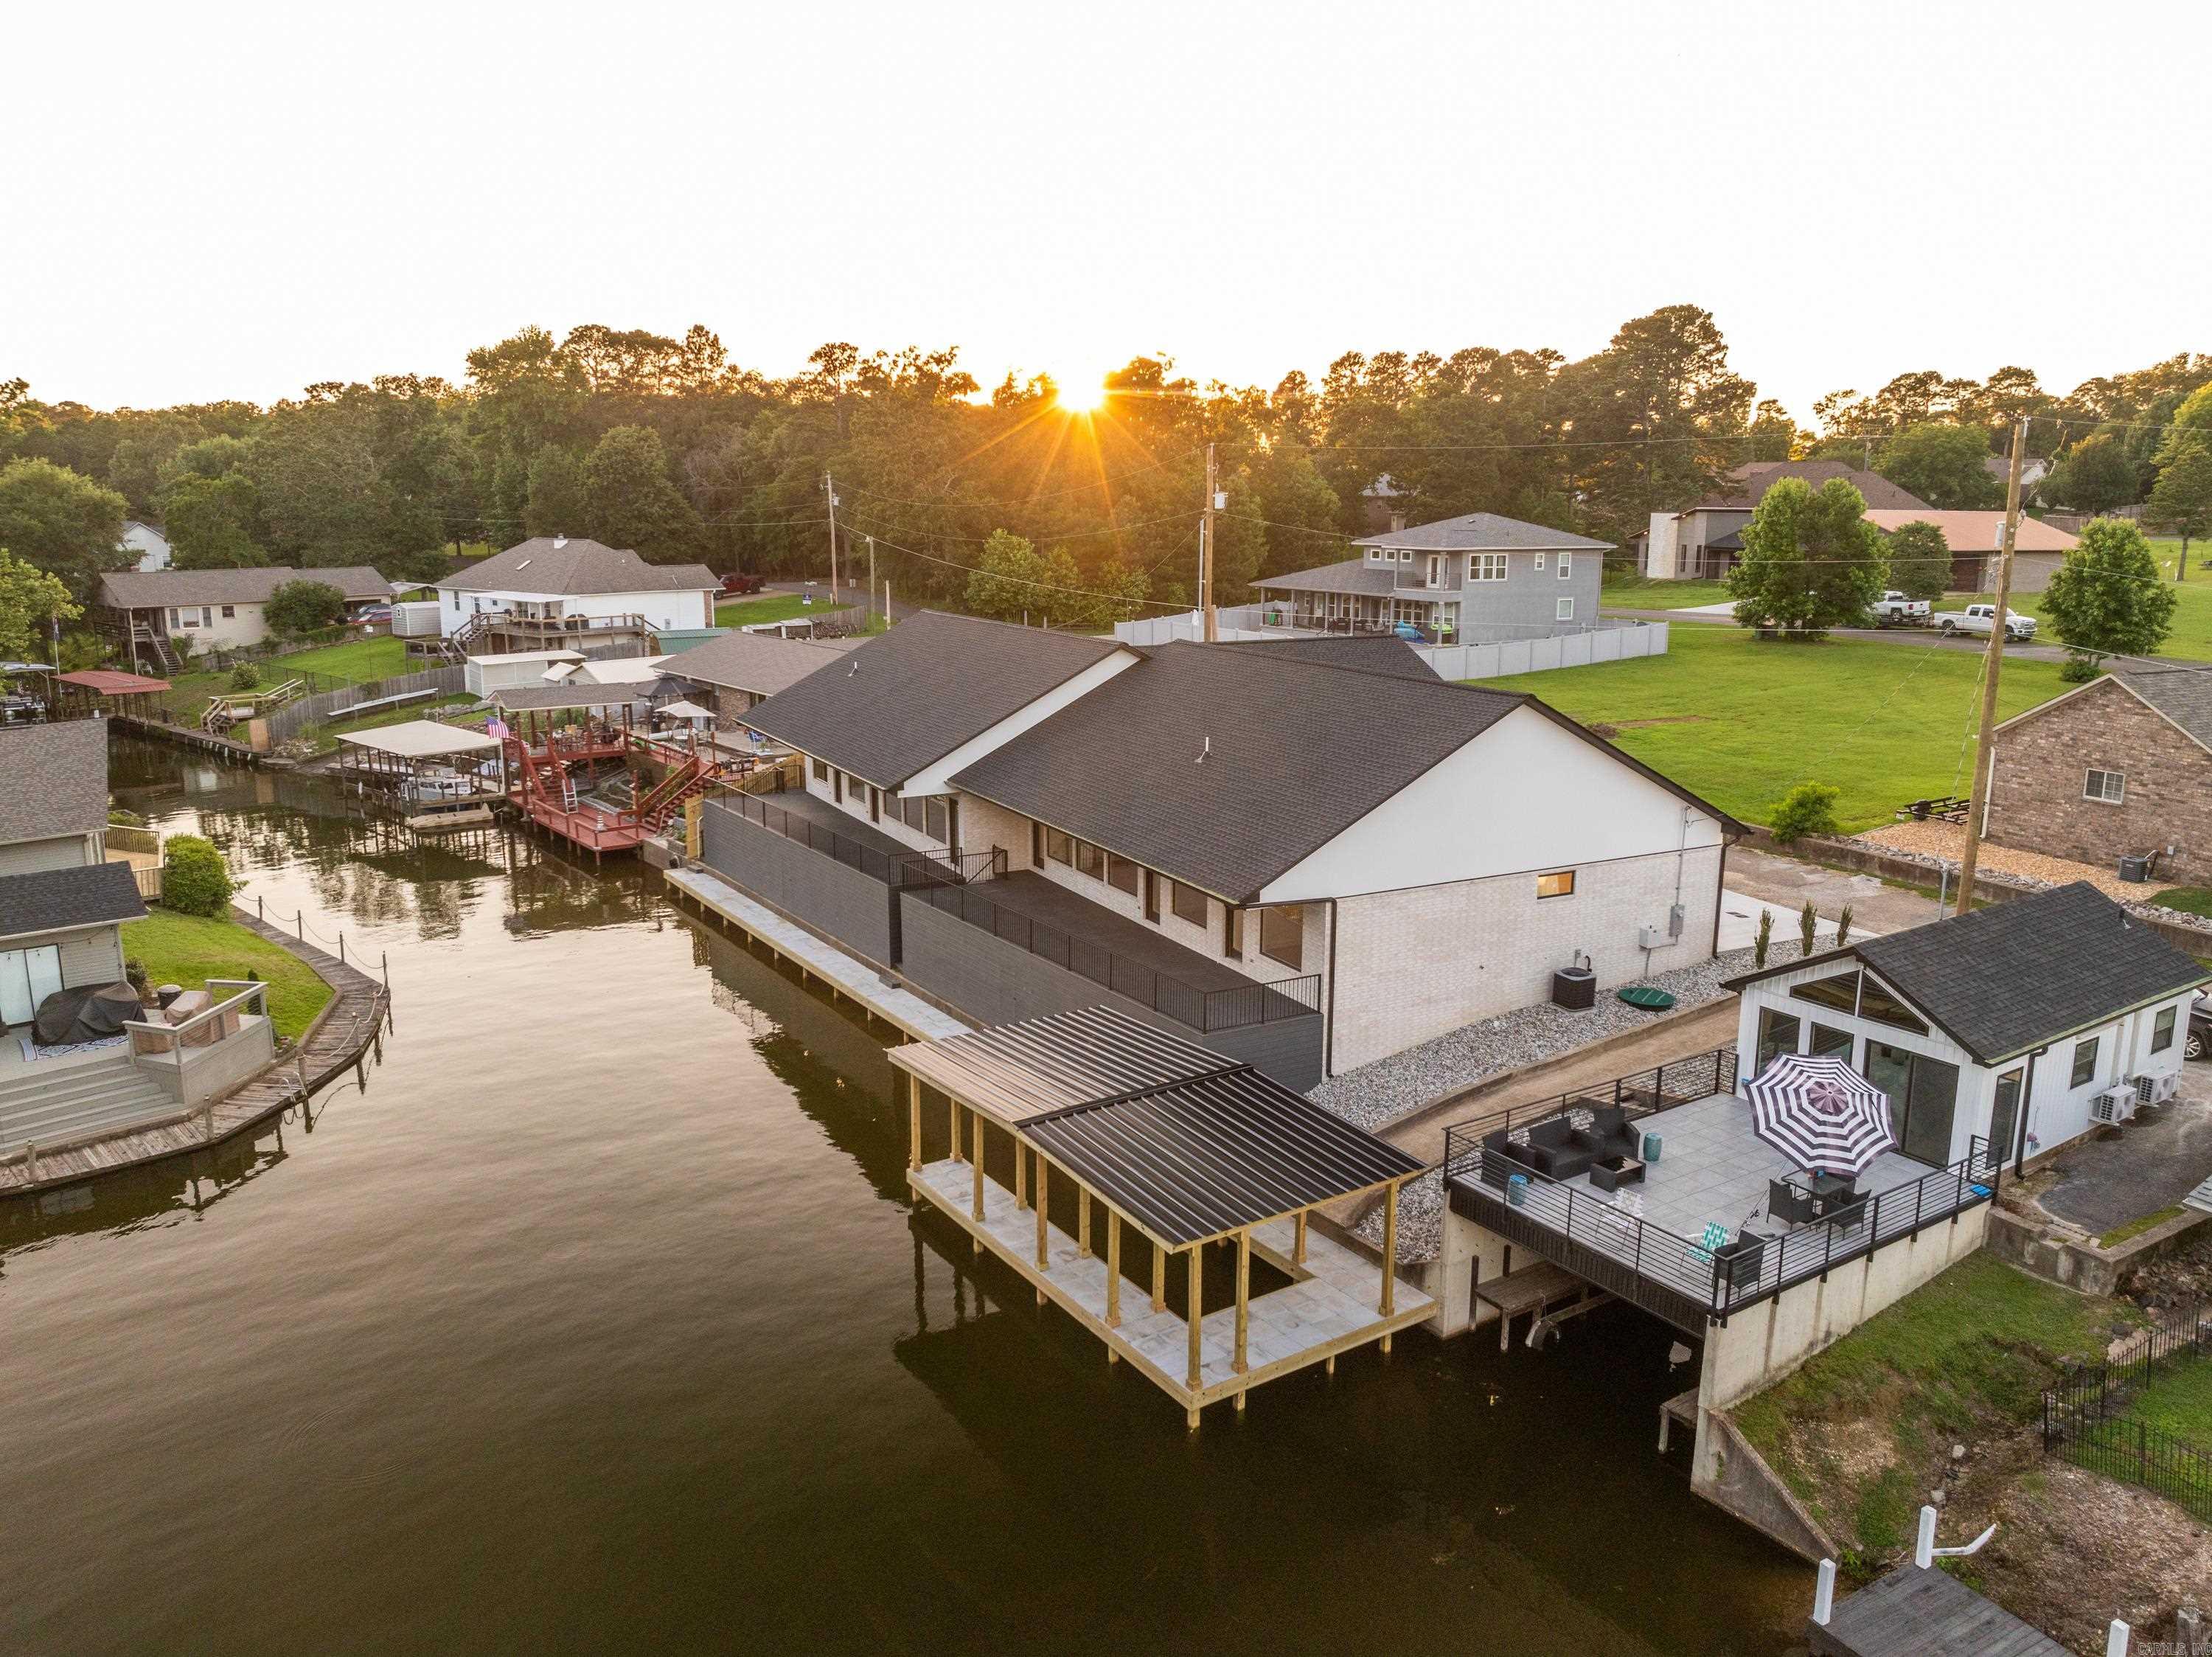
(736,583)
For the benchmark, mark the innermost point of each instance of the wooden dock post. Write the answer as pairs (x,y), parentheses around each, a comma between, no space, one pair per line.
(1195,1313)
(1159,1278)
(914,1121)
(978,1116)
(955,1104)
(1083,1222)
(1298,1249)
(1113,1273)
(1044,1208)
(1390,1303)
(1243,1301)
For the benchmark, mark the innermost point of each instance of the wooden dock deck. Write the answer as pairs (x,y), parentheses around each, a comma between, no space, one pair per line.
(339,1040)
(1534,1288)
(1924,1612)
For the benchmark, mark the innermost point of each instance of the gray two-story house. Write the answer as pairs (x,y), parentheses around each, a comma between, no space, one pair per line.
(1476,579)
(62,905)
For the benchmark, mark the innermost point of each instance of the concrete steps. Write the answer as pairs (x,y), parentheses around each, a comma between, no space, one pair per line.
(68,1102)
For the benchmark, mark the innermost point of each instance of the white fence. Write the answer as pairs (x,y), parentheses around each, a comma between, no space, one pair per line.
(1607,642)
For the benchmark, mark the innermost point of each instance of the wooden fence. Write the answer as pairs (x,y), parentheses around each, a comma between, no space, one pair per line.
(288,721)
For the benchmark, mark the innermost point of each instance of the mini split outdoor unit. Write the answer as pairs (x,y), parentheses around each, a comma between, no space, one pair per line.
(2112,1106)
(2155,1090)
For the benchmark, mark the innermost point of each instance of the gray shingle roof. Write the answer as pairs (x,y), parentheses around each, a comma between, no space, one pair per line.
(53,899)
(2183,695)
(559,564)
(759,662)
(543,698)
(1353,576)
(1483,531)
(910,697)
(2009,978)
(54,779)
(150,589)
(1370,653)
(1297,751)
(1744,486)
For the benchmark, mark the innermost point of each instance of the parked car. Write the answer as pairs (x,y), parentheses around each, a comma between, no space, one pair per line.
(1895,610)
(1978,619)
(736,583)
(2200,1028)
(373,612)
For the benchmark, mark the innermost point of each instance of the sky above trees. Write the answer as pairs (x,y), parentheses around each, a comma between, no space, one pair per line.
(307,195)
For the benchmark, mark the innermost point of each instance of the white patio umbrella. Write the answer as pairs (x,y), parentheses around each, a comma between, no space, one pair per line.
(1820,1114)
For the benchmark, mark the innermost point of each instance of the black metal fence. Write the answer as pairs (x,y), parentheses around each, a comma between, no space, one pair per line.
(904,868)
(1230,1009)
(2086,1419)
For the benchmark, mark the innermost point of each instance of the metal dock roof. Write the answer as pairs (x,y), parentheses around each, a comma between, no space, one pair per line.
(1020,1071)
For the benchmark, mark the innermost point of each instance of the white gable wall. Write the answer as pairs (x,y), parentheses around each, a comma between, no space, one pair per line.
(662,610)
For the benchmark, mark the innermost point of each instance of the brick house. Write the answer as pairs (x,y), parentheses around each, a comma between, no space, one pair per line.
(2122,767)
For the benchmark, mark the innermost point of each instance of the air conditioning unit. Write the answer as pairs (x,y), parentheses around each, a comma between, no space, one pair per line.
(2112,1106)
(2155,1090)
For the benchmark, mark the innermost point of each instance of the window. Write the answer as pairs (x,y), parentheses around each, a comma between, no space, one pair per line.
(875,804)
(2161,1031)
(1828,1042)
(1059,847)
(2109,787)
(822,770)
(1189,903)
(1566,565)
(914,812)
(837,785)
(1123,874)
(229,611)
(1486,566)
(1405,555)
(1563,610)
(1923,1095)
(936,820)
(1540,561)
(1152,897)
(1036,845)
(1877,1003)
(1841,992)
(2085,1063)
(1560,884)
(1777,1035)
(1232,932)
(1089,860)
(1283,935)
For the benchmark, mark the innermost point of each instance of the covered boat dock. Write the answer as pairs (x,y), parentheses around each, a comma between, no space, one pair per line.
(1130,1129)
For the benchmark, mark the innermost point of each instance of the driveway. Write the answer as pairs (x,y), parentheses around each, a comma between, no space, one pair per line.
(1786,884)
(1927,637)
(2112,1179)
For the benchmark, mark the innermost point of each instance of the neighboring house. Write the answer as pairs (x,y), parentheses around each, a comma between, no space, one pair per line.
(1975,539)
(1316,853)
(732,673)
(1479,578)
(2120,767)
(515,670)
(147,545)
(2032,471)
(2011,1025)
(62,905)
(553,593)
(1704,542)
(161,614)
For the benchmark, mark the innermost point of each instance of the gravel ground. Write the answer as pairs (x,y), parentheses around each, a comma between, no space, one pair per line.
(1375,1095)
(1941,845)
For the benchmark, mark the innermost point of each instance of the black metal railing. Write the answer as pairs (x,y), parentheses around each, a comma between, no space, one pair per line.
(902,868)
(2086,1418)
(1678,1277)
(1229,1009)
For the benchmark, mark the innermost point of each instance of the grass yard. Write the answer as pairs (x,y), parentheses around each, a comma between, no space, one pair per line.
(1642,593)
(1741,722)
(189,949)
(2189,899)
(769,607)
(2191,638)
(1858,1431)
(357,661)
(2179,1401)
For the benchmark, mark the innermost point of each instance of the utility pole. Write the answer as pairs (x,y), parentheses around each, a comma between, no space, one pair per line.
(1978,796)
(1205,556)
(872,575)
(829,492)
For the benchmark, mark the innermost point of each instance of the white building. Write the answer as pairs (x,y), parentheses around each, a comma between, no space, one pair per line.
(62,905)
(2025,1025)
(167,613)
(146,544)
(516,669)
(552,592)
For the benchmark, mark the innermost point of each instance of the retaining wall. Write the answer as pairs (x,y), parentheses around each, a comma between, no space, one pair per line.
(847,907)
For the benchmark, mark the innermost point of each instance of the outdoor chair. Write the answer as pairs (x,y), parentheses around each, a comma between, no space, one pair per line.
(1785,1202)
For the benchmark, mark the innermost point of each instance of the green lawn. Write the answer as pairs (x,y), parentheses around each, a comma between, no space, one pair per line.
(188,950)
(2179,1401)
(1641,593)
(1741,721)
(2190,899)
(769,606)
(2191,638)
(357,661)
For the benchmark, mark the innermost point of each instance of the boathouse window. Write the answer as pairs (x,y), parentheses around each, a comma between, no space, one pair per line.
(229,611)
(1840,992)
(1560,884)
(1123,874)
(2084,1062)
(1777,1035)
(1189,903)
(1089,860)
(2161,1030)
(1283,935)
(1232,932)
(1060,848)
(822,770)
(939,821)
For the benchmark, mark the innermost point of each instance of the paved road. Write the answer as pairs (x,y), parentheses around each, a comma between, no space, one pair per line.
(1926,637)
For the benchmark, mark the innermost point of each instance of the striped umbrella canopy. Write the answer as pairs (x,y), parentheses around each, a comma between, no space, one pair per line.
(1820,1114)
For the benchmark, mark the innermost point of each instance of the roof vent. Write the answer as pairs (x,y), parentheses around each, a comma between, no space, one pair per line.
(524,564)
(1204,751)
(558,541)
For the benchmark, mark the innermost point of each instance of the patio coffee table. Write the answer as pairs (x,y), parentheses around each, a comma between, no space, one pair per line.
(1612,1172)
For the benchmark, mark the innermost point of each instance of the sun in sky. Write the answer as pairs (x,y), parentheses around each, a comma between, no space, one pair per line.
(1080,394)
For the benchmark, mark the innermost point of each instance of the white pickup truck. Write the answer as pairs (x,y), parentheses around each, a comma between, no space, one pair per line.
(1893,609)
(1978,619)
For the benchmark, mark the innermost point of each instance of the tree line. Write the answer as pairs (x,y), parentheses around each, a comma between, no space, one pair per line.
(668,446)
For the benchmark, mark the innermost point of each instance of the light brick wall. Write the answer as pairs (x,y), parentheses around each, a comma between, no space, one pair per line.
(1412,964)
(2035,796)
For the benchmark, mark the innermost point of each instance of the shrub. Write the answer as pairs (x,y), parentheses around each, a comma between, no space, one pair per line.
(119,818)
(1809,808)
(299,608)
(1765,941)
(134,973)
(245,676)
(2079,668)
(195,879)
(1808,928)
(1843,926)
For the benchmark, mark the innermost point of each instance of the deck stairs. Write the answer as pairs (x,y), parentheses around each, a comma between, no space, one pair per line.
(48,1102)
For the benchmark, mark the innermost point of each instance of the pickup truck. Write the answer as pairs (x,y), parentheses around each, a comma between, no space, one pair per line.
(1978,619)
(1895,610)
(737,582)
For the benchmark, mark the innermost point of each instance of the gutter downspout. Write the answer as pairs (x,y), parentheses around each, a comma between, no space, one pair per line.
(1329,1027)
(1720,884)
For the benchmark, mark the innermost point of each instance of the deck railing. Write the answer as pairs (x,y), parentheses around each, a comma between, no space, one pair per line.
(906,868)
(1228,1008)
(1647,1092)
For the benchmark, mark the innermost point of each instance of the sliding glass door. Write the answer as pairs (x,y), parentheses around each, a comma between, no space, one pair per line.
(1923,1096)
(27,976)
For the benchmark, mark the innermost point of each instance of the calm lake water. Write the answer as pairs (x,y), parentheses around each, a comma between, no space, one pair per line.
(599,1320)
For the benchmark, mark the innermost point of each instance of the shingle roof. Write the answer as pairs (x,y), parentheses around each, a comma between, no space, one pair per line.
(53,899)
(911,696)
(2183,695)
(1296,752)
(541,697)
(1483,531)
(2009,978)
(554,565)
(1370,653)
(1747,482)
(54,779)
(149,589)
(759,662)
(1974,532)
(1353,576)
